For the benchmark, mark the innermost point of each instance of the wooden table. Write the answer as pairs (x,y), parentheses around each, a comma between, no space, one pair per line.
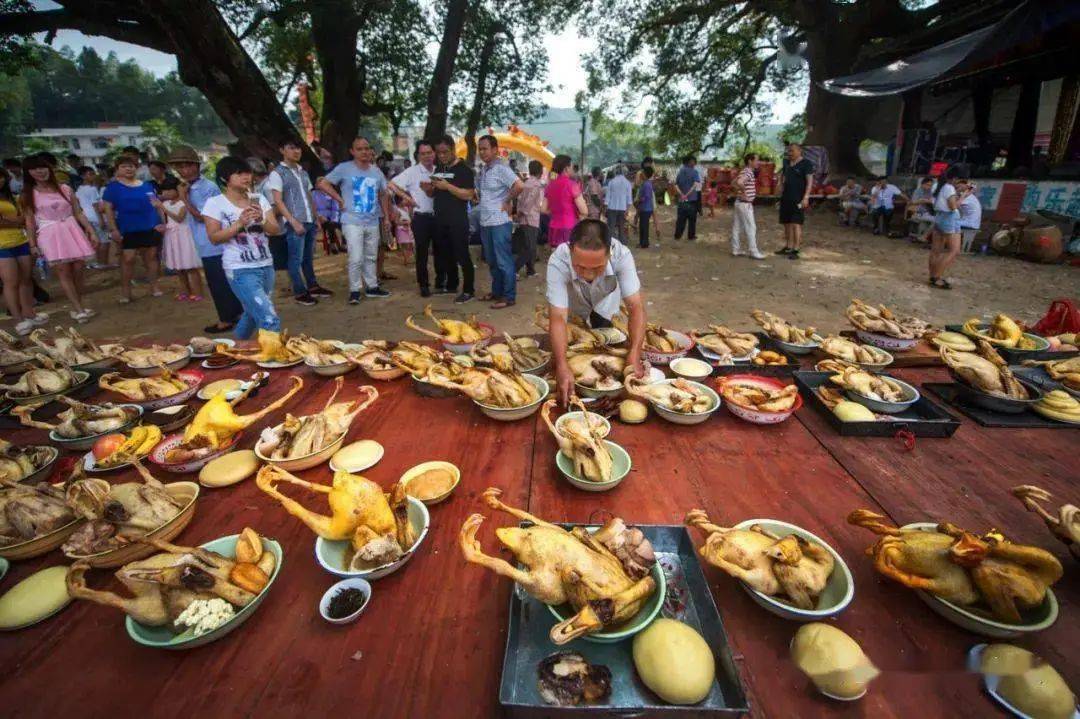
(432,640)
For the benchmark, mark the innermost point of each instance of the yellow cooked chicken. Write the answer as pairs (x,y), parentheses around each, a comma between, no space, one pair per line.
(869,385)
(453,331)
(1003,332)
(584,445)
(984,370)
(779,328)
(493,387)
(604,576)
(302,436)
(882,321)
(141,389)
(724,341)
(273,347)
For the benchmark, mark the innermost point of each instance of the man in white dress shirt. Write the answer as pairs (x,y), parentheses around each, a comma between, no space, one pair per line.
(618,196)
(413,186)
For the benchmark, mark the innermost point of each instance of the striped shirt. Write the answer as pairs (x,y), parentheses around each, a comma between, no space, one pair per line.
(749,184)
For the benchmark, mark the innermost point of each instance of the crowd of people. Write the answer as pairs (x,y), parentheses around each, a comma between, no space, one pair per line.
(231,234)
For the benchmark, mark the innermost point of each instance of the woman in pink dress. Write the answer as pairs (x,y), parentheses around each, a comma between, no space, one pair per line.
(563,201)
(58,230)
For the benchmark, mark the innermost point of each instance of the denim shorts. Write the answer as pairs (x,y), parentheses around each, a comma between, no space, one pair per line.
(22,250)
(947,223)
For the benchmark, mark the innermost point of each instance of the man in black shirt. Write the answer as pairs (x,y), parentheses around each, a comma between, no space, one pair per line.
(454,184)
(795,181)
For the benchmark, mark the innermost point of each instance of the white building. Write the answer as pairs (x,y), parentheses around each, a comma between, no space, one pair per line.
(91,143)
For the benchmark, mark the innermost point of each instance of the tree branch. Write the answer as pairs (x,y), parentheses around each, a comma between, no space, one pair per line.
(130,31)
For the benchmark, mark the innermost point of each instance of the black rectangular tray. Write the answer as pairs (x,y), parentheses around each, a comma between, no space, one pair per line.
(923,419)
(1040,377)
(1014,356)
(527,643)
(1023,420)
(772,370)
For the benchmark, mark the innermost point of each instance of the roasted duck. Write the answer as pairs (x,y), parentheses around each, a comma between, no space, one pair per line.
(868,385)
(788,566)
(377,526)
(272,348)
(678,395)
(80,420)
(154,355)
(1003,332)
(71,348)
(523,353)
(1066,525)
(836,366)
(1066,371)
(163,585)
(10,356)
(317,352)
(301,436)
(759,398)
(505,387)
(142,389)
(116,514)
(31,511)
(417,359)
(658,339)
(779,328)
(453,331)
(215,424)
(576,331)
(583,445)
(881,320)
(49,378)
(849,351)
(961,568)
(374,356)
(985,371)
(725,342)
(597,367)
(18,463)
(603,575)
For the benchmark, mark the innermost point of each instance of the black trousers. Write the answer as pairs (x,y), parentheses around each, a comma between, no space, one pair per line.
(643,217)
(598,321)
(686,218)
(524,244)
(882,215)
(423,227)
(453,236)
(228,307)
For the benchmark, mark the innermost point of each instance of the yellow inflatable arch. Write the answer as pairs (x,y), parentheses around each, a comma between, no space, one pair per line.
(517,140)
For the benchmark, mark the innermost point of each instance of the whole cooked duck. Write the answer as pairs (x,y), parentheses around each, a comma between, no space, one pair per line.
(787,566)
(316,351)
(583,445)
(849,351)
(116,514)
(1066,371)
(596,366)
(216,423)
(154,355)
(72,348)
(449,330)
(881,320)
(10,356)
(302,436)
(19,462)
(780,329)
(869,385)
(49,378)
(575,567)
(143,389)
(505,387)
(524,353)
(678,395)
(725,342)
(984,370)
(31,511)
(79,419)
(376,525)
(962,568)
(1003,332)
(757,397)
(162,586)
(417,359)
(273,347)
(576,331)
(1065,526)
(373,356)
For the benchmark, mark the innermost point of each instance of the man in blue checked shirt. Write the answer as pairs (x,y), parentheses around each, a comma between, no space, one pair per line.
(496,187)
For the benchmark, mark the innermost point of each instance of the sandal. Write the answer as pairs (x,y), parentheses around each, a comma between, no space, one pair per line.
(941,284)
(503,304)
(489,298)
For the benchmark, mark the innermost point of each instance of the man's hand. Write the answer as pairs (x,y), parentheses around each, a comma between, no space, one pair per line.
(564,384)
(805,204)
(386,224)
(635,363)
(296,225)
(439,184)
(250,215)
(160,228)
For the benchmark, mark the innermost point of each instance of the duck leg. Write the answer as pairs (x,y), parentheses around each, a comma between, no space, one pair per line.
(474,554)
(491,498)
(599,613)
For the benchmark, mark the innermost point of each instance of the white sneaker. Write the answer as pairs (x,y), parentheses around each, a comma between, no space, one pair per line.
(24,328)
(81,317)
(40,319)
(738,253)
(757,255)
(89,312)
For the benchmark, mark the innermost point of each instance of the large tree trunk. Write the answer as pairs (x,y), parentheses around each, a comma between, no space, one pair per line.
(335,48)
(479,97)
(438,103)
(836,122)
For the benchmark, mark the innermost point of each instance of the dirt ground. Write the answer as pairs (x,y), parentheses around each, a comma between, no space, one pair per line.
(686,285)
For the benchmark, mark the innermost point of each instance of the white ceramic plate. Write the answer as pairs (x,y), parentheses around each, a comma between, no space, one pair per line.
(710,355)
(279,365)
(201,355)
(379,452)
(331,554)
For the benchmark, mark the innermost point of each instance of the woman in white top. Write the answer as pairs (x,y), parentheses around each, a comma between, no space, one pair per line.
(240,219)
(945,241)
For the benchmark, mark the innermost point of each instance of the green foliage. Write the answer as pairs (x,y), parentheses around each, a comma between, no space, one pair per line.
(32,145)
(795,129)
(615,140)
(160,137)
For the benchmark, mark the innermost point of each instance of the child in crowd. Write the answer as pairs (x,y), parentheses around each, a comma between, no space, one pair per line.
(89,194)
(178,243)
(403,231)
(329,214)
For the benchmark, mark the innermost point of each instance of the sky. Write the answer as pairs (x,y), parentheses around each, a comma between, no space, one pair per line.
(565,51)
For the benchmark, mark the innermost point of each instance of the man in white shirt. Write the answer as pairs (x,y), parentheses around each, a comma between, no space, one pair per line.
(881,204)
(618,196)
(970,213)
(289,188)
(589,277)
(413,186)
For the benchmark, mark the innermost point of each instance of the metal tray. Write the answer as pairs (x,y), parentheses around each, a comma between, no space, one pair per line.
(773,370)
(1014,356)
(688,600)
(922,419)
(1023,420)
(1039,377)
